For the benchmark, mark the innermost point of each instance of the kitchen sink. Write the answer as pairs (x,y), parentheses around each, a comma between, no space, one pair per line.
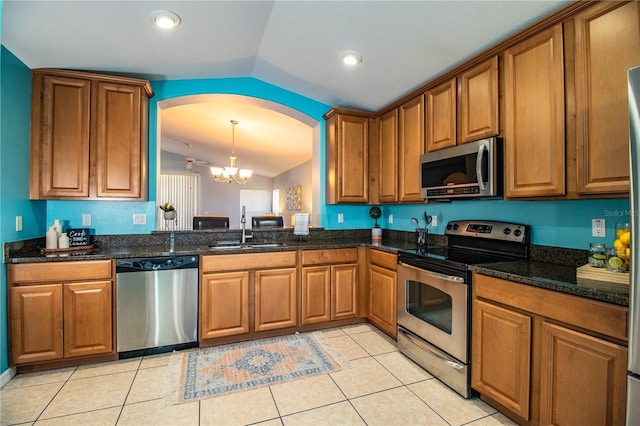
(246,246)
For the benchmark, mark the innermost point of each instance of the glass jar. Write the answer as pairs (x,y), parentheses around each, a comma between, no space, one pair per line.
(614,262)
(597,255)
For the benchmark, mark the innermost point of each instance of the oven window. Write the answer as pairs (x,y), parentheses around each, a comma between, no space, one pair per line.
(429,304)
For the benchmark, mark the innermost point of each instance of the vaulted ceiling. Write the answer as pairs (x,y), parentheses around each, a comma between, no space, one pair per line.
(292,44)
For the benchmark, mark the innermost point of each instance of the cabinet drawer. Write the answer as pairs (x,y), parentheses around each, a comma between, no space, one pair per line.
(599,317)
(59,271)
(320,257)
(236,262)
(383,259)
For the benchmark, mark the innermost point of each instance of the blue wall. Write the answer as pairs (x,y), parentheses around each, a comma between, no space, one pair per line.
(15,113)
(554,223)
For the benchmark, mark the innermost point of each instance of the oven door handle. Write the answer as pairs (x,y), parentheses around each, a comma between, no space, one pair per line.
(452,278)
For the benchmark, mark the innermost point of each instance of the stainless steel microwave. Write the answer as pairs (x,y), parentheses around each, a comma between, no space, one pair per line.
(470,170)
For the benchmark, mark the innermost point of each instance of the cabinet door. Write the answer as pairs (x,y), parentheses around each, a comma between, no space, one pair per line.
(224,304)
(88,318)
(534,116)
(441,116)
(344,294)
(478,90)
(60,137)
(36,323)
(582,378)
(388,178)
(118,140)
(316,294)
(607,45)
(501,348)
(382,300)
(347,159)
(276,296)
(410,146)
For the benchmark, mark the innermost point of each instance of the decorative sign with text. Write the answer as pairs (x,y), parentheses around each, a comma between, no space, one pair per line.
(78,237)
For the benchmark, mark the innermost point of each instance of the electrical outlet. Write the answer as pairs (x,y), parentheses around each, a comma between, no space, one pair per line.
(340,218)
(390,219)
(139,218)
(86,219)
(598,228)
(18,223)
(434,220)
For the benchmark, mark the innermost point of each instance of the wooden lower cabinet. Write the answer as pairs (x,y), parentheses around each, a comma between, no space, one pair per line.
(501,356)
(544,357)
(275,299)
(383,291)
(87,318)
(582,378)
(329,289)
(36,323)
(70,317)
(247,293)
(224,304)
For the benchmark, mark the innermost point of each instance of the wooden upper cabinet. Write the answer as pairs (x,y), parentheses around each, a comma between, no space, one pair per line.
(441,116)
(534,116)
(607,42)
(88,136)
(119,144)
(60,137)
(478,102)
(388,171)
(411,145)
(347,156)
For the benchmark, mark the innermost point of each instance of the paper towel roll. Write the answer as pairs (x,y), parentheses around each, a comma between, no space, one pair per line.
(301,226)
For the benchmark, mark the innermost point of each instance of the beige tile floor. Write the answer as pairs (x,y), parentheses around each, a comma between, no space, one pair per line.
(382,387)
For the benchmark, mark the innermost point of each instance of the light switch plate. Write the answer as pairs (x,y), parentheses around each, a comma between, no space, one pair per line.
(390,219)
(340,218)
(139,218)
(18,223)
(86,219)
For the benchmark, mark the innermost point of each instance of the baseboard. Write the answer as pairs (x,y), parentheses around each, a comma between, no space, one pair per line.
(6,376)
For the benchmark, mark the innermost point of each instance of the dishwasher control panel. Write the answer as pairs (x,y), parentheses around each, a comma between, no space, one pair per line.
(156,263)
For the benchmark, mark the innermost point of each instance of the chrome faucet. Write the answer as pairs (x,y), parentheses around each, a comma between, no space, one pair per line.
(243,222)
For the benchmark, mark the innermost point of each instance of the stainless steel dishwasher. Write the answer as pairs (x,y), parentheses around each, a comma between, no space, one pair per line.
(157,304)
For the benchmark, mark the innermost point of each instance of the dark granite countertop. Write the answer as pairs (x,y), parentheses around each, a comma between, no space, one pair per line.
(199,243)
(555,277)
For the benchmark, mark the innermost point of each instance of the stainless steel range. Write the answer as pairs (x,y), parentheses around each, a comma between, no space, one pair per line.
(434,295)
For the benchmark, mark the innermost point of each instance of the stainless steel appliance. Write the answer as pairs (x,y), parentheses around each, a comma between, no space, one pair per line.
(157,304)
(470,170)
(633,379)
(434,295)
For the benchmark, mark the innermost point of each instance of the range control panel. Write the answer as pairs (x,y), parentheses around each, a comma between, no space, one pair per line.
(503,231)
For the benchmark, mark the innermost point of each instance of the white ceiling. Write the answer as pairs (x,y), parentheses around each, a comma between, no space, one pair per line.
(291,44)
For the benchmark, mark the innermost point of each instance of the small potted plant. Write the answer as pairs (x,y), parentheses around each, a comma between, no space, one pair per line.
(169,211)
(376,232)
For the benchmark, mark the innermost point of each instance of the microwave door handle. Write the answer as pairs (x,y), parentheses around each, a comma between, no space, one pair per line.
(482,151)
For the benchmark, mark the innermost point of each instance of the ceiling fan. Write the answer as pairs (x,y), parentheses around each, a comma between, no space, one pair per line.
(190,161)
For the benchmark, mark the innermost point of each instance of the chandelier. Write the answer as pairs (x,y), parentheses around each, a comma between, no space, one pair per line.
(231,174)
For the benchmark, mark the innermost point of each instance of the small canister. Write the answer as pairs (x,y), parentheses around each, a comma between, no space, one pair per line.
(597,255)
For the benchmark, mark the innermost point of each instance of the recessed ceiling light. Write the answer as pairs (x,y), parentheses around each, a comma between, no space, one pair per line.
(165,19)
(350,58)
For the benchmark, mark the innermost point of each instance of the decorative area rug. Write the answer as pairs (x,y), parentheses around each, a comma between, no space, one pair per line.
(247,365)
